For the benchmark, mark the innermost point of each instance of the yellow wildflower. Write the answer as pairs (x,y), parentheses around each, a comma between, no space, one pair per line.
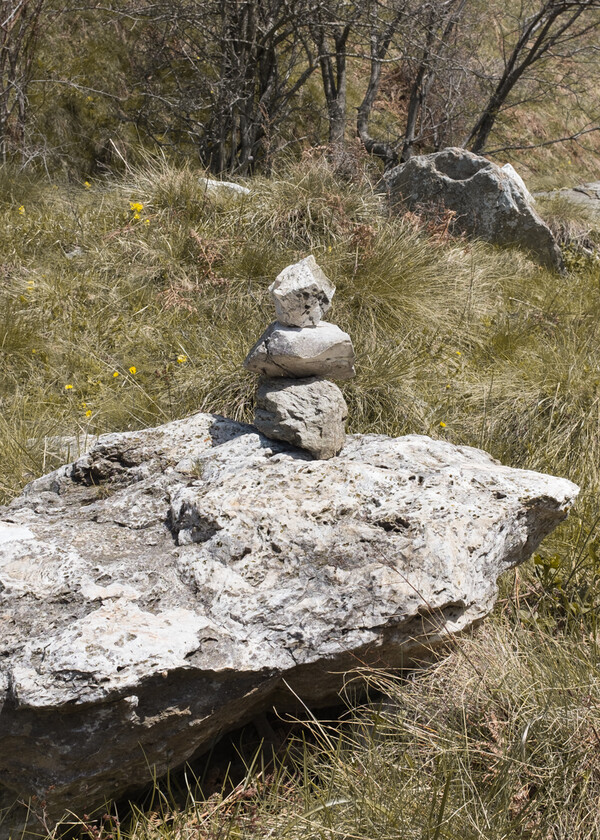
(21,210)
(181,359)
(115,374)
(133,370)
(87,185)
(442,424)
(88,413)
(136,206)
(146,221)
(68,387)
(136,215)
(33,351)
(458,353)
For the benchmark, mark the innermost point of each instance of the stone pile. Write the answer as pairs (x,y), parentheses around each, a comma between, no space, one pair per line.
(294,400)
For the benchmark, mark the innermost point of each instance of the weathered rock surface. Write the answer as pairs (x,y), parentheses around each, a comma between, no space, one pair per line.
(487,201)
(302,294)
(309,413)
(298,352)
(584,195)
(172,583)
(509,169)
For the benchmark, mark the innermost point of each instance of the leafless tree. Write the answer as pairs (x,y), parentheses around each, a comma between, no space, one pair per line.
(421,38)
(222,74)
(19,32)
(332,24)
(546,33)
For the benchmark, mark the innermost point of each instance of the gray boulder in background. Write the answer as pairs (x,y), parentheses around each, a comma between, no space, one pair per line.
(586,196)
(489,203)
(174,582)
(310,413)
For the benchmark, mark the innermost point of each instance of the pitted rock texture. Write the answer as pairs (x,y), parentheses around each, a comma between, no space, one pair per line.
(302,294)
(299,352)
(309,413)
(174,582)
(488,202)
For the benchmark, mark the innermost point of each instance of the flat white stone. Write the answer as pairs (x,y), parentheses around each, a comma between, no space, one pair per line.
(299,352)
(212,185)
(302,294)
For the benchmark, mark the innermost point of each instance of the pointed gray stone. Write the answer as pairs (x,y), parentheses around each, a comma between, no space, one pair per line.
(302,294)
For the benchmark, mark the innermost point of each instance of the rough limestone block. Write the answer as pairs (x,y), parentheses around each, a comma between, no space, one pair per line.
(488,202)
(298,352)
(302,294)
(175,582)
(310,413)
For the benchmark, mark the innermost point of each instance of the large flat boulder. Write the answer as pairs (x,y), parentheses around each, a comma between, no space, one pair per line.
(174,582)
(488,201)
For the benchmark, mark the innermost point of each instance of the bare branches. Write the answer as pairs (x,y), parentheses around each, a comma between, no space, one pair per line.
(538,38)
(18,35)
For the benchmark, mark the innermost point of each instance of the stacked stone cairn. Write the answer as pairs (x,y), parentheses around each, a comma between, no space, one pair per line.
(295,402)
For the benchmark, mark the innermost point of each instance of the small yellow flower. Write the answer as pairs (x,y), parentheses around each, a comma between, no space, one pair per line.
(68,387)
(442,424)
(447,386)
(458,353)
(33,351)
(21,210)
(181,359)
(87,185)
(136,215)
(88,413)
(133,370)
(146,221)
(89,99)
(136,206)
(115,374)
(84,405)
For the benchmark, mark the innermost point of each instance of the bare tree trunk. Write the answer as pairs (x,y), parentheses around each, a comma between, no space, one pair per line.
(19,29)
(553,25)
(380,43)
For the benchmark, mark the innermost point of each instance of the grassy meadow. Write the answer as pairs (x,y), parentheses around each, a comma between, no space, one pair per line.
(127,303)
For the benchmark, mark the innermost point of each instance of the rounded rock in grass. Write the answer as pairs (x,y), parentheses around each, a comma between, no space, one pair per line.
(302,294)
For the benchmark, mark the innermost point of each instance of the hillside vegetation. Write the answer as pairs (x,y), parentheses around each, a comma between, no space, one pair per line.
(129,296)
(130,302)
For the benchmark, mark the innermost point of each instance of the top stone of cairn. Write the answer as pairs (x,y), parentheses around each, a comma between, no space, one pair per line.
(302,294)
